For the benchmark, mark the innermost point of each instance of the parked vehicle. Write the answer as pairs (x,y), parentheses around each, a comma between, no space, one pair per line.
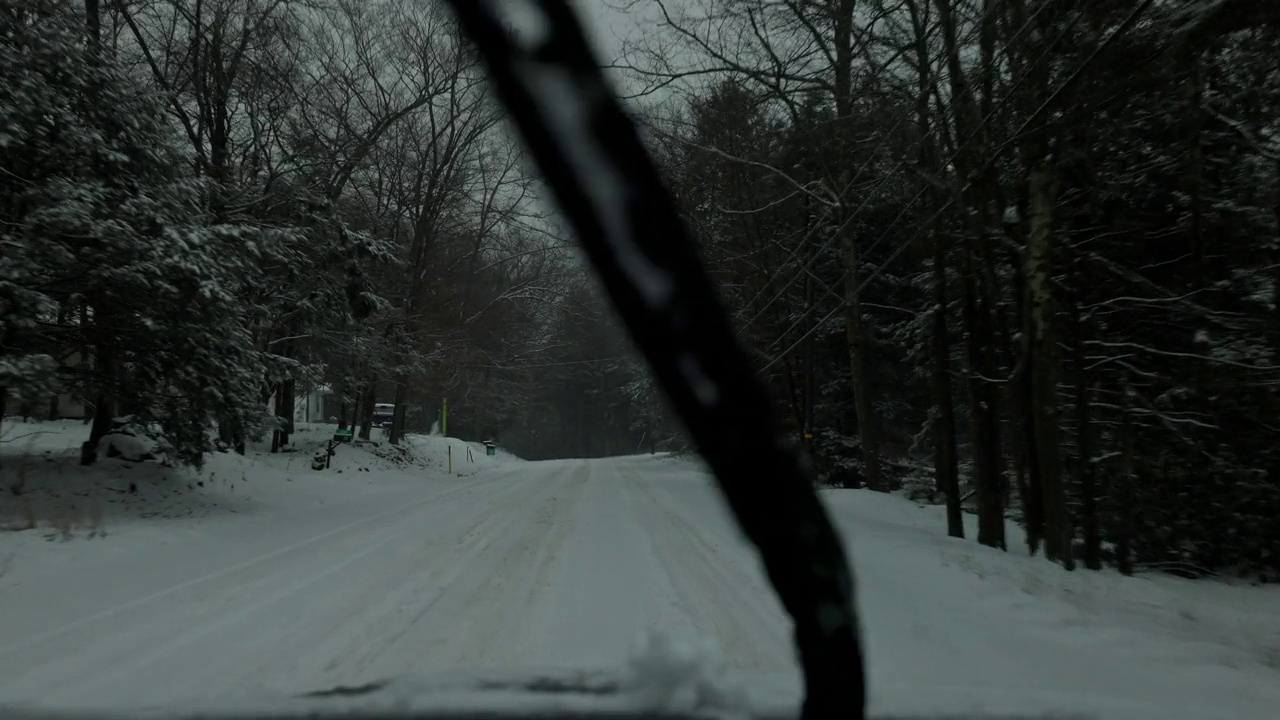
(383,415)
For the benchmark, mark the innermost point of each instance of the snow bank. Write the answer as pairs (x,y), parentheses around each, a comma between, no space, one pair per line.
(468,458)
(952,627)
(75,540)
(44,489)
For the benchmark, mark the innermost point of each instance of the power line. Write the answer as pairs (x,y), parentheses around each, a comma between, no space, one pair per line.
(901,164)
(1124,27)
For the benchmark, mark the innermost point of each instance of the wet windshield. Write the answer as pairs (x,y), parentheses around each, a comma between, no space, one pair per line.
(363,355)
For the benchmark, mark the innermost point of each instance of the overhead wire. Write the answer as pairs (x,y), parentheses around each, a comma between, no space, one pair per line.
(807,268)
(902,247)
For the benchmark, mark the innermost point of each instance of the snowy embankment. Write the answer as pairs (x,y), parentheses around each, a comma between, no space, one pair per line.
(951,627)
(44,482)
(233,508)
(952,624)
(465,458)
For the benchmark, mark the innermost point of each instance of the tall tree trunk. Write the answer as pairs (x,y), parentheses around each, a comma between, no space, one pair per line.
(368,397)
(104,407)
(85,354)
(580,421)
(357,411)
(278,410)
(983,411)
(289,399)
(979,289)
(947,469)
(1193,85)
(793,393)
(843,23)
(397,418)
(4,407)
(231,428)
(1021,436)
(53,399)
(1086,473)
(854,338)
(284,409)
(231,433)
(1275,276)
(1030,489)
(945,457)
(1123,493)
(1010,391)
(1042,355)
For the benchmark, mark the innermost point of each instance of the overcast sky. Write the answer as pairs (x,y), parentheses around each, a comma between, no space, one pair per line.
(605,24)
(609,28)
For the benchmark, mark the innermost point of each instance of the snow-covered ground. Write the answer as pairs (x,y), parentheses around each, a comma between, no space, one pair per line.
(622,580)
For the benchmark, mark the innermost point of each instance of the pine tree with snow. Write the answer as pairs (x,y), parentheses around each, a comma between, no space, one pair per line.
(111,254)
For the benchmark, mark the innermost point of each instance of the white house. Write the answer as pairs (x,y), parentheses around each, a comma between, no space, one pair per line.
(316,405)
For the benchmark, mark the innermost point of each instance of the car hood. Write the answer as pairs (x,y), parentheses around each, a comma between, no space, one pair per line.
(499,695)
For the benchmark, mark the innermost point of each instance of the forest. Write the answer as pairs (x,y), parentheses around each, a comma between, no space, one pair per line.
(1017,257)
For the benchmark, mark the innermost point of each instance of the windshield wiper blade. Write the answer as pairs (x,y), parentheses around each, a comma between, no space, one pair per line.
(591,155)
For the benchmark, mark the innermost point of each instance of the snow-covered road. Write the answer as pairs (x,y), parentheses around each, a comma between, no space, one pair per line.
(557,566)
(547,565)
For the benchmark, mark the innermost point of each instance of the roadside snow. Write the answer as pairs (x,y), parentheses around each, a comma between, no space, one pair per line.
(468,458)
(1013,633)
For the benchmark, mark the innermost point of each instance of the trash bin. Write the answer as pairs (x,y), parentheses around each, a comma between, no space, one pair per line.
(490,448)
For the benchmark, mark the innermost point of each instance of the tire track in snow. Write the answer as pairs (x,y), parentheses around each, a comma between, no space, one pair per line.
(350,618)
(596,587)
(487,600)
(727,604)
(193,624)
(446,591)
(220,574)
